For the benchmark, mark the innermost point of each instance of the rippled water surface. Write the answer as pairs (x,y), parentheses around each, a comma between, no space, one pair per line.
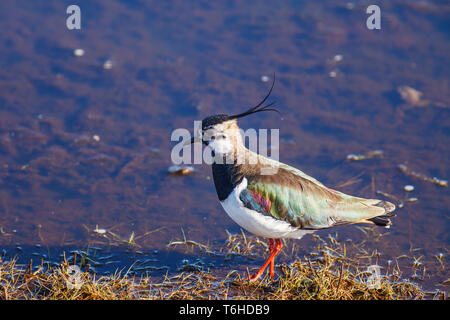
(85,147)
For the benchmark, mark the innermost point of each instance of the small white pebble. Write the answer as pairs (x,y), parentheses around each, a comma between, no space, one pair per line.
(408,188)
(414,199)
(78,52)
(350,5)
(180,170)
(376,153)
(332,74)
(107,65)
(355,157)
(338,58)
(265,78)
(96,137)
(173,169)
(99,231)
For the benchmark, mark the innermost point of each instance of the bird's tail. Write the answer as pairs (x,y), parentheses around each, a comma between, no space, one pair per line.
(383,220)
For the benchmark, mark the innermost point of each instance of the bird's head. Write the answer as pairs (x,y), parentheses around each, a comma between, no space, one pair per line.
(221,133)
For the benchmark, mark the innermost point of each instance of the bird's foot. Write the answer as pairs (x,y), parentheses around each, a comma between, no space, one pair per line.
(274,247)
(256,276)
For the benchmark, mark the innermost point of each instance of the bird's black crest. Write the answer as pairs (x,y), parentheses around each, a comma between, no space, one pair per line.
(259,107)
(213,120)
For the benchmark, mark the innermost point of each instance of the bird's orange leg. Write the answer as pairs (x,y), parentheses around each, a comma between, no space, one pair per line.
(272,263)
(273,253)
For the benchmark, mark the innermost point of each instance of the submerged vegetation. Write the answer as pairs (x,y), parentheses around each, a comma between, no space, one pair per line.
(333,270)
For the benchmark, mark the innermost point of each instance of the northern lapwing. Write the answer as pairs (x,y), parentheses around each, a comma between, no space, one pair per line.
(271,199)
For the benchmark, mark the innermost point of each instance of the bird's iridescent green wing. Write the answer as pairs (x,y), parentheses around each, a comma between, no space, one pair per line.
(305,203)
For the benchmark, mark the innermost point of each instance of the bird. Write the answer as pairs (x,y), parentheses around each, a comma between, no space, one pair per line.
(271,199)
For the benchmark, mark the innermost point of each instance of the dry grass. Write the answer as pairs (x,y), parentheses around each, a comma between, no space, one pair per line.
(329,272)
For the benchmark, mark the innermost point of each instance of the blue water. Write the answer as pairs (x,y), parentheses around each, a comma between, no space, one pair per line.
(174,62)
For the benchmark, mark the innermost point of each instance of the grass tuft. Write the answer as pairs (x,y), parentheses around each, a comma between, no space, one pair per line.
(329,272)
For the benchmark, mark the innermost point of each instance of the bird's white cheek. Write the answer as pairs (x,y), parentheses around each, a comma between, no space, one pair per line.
(221,146)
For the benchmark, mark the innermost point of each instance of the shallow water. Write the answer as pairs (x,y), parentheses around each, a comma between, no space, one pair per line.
(174,62)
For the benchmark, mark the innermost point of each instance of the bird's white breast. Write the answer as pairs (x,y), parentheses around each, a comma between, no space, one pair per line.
(255,222)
